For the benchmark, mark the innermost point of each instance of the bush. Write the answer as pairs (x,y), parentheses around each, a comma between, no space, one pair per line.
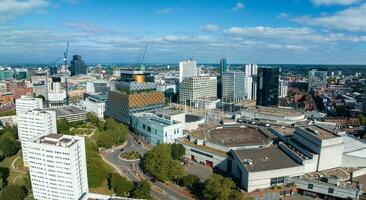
(142,190)
(190,181)
(8,146)
(120,185)
(131,155)
(13,192)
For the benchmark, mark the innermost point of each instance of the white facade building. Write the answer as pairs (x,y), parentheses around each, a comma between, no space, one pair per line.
(197,88)
(57,165)
(26,103)
(251,71)
(97,86)
(56,95)
(187,68)
(32,124)
(283,89)
(157,130)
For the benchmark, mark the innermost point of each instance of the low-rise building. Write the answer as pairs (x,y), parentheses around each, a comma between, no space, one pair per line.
(95,103)
(157,130)
(70,113)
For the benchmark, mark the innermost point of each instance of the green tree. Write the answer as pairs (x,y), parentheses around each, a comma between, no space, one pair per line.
(106,140)
(63,126)
(142,190)
(176,170)
(362,119)
(4,175)
(41,97)
(219,187)
(8,146)
(13,192)
(190,181)
(120,185)
(178,151)
(92,118)
(2,156)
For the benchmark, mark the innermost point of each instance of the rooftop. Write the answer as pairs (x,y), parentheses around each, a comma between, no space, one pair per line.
(274,111)
(284,130)
(167,111)
(57,140)
(237,135)
(265,159)
(320,133)
(66,110)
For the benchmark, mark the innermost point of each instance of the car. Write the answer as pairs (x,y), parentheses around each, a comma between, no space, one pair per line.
(121,150)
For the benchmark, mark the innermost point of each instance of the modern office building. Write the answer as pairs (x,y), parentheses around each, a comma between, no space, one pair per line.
(251,71)
(133,95)
(283,89)
(6,73)
(233,86)
(57,165)
(26,103)
(223,66)
(197,88)
(34,123)
(95,103)
(317,79)
(20,73)
(187,68)
(267,86)
(77,66)
(155,129)
(97,86)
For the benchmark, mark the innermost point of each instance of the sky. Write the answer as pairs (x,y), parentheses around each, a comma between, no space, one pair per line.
(246,31)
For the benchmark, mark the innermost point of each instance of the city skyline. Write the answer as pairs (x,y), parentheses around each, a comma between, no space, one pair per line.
(248,31)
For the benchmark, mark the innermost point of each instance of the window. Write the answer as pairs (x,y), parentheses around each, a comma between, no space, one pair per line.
(143,126)
(330,190)
(149,128)
(310,186)
(277,181)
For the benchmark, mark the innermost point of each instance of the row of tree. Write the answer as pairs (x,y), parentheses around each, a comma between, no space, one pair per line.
(163,162)
(125,188)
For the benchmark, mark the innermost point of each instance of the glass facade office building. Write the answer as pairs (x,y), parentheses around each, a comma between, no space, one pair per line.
(267,86)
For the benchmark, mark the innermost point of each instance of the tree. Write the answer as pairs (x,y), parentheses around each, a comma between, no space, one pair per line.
(41,97)
(105,140)
(92,118)
(4,175)
(178,151)
(219,187)
(120,185)
(341,110)
(2,156)
(8,146)
(63,126)
(13,192)
(142,190)
(159,163)
(190,180)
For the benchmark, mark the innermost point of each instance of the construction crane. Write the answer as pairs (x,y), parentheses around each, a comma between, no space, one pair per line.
(141,58)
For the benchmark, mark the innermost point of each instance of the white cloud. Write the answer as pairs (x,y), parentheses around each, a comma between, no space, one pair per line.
(238,6)
(10,9)
(350,19)
(84,27)
(334,2)
(210,28)
(167,10)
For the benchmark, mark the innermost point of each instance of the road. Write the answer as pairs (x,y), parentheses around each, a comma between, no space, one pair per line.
(132,171)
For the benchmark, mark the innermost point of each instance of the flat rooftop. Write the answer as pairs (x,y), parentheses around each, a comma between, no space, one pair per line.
(57,140)
(265,159)
(284,130)
(320,133)
(192,118)
(237,135)
(167,111)
(66,110)
(274,111)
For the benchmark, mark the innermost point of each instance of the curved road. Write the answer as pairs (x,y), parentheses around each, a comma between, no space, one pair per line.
(132,171)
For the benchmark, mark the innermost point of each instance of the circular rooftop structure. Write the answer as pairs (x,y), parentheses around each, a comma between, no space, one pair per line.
(239,136)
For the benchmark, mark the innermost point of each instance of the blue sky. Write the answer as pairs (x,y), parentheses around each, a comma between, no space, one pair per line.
(247,31)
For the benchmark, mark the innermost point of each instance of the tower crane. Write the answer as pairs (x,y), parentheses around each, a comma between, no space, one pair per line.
(65,63)
(141,58)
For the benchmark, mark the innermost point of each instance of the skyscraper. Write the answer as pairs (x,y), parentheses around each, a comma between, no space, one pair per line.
(187,68)
(283,89)
(57,165)
(34,123)
(251,81)
(77,66)
(317,79)
(223,66)
(233,86)
(267,86)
